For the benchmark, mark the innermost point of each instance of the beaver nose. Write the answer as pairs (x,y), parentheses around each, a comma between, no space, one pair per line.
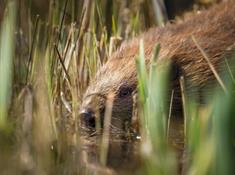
(87,118)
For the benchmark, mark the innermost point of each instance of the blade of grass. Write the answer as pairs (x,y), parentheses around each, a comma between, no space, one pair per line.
(29,64)
(210,65)
(7,50)
(62,64)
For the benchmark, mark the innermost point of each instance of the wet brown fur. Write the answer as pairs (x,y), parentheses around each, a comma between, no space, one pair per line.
(214,31)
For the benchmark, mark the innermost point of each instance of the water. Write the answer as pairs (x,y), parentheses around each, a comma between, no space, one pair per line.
(124,156)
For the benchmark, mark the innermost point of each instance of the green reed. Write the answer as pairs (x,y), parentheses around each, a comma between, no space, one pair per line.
(152,94)
(46,63)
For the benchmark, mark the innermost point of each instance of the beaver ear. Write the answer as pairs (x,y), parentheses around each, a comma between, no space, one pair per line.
(175,71)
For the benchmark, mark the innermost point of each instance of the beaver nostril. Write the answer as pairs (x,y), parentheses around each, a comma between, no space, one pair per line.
(87,118)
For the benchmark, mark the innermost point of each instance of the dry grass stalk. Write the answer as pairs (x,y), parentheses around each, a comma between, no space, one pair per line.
(184,102)
(210,65)
(106,130)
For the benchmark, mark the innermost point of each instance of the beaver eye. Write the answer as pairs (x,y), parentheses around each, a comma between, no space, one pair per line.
(124,92)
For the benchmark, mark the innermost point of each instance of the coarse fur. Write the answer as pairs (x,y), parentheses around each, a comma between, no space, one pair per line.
(214,31)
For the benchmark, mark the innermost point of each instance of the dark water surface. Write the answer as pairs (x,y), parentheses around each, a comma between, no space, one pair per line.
(124,156)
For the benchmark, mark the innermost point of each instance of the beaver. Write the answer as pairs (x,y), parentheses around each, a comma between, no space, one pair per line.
(214,32)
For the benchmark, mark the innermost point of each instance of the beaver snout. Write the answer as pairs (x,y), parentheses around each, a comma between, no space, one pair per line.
(87,118)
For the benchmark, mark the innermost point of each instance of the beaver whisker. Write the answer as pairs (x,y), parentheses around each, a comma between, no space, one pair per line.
(117,130)
(86,129)
(115,118)
(115,127)
(95,133)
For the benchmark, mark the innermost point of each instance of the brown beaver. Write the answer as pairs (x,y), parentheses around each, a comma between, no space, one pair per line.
(214,31)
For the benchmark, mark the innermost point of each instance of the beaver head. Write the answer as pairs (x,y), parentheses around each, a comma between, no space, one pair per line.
(118,77)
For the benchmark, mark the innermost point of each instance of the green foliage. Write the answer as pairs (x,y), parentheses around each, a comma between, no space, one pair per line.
(7,46)
(152,94)
(46,63)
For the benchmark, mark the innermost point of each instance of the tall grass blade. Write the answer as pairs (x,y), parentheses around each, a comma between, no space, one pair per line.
(7,50)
